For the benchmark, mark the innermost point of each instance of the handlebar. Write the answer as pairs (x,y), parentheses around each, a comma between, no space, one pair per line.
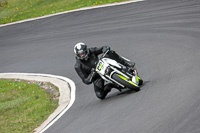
(104,54)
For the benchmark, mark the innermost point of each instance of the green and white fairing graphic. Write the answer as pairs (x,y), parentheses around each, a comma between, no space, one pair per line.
(111,72)
(130,81)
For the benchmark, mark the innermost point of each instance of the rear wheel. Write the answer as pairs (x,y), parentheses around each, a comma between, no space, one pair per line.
(124,81)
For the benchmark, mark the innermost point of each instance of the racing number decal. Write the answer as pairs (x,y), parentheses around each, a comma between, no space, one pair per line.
(100,66)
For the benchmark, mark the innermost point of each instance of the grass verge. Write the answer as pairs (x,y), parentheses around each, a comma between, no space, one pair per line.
(14,10)
(24,106)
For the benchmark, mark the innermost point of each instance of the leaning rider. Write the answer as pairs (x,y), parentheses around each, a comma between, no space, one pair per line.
(85,64)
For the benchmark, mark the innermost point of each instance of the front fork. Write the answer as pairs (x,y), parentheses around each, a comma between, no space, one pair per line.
(135,70)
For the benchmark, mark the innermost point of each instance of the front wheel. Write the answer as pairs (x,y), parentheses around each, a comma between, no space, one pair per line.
(140,82)
(124,81)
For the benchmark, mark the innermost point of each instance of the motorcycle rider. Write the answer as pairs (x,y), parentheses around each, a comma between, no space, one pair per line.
(86,59)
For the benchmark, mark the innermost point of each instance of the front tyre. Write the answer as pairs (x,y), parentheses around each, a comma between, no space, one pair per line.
(124,81)
(140,82)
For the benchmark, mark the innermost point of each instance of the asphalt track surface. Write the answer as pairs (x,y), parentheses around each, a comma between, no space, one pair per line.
(162,37)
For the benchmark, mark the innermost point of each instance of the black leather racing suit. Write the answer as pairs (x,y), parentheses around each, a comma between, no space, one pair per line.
(84,67)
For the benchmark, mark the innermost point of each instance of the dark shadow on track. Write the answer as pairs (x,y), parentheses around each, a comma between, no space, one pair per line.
(125,92)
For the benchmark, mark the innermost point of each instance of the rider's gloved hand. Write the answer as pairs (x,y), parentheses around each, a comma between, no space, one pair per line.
(89,79)
(92,70)
(91,75)
(105,48)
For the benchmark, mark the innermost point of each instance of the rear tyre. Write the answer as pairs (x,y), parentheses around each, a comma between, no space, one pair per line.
(127,83)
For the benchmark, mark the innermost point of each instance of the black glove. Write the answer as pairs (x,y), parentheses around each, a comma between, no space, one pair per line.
(92,70)
(106,48)
(90,78)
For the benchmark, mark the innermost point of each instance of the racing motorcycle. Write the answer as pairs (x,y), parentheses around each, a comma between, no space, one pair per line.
(113,72)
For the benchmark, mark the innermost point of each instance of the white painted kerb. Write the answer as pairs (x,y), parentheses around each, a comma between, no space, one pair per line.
(75,10)
(66,89)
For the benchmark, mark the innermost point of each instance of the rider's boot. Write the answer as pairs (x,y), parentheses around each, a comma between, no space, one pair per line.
(108,88)
(102,94)
(125,62)
(130,65)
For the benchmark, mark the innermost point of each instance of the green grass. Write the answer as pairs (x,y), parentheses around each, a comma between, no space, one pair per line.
(23,106)
(14,10)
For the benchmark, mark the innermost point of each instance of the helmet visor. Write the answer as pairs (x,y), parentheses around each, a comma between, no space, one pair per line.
(82,54)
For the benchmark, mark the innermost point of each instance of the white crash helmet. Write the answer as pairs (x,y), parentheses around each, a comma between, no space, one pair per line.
(81,51)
